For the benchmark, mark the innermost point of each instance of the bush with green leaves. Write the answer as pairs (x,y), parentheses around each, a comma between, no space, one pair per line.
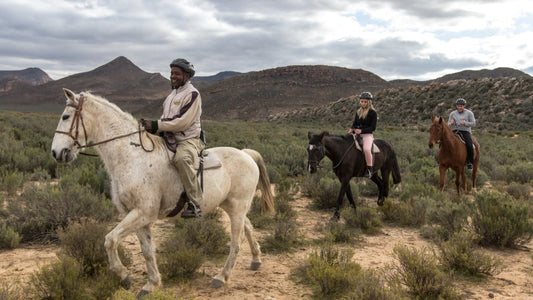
(190,243)
(84,241)
(411,212)
(500,220)
(418,270)
(462,254)
(332,271)
(40,210)
(338,232)
(9,238)
(364,218)
(62,279)
(449,217)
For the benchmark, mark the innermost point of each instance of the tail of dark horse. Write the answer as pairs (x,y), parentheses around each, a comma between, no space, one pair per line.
(396,177)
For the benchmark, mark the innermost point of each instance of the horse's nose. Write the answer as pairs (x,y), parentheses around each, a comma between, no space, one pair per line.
(59,157)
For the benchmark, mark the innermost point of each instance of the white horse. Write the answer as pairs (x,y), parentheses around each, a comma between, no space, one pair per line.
(145,186)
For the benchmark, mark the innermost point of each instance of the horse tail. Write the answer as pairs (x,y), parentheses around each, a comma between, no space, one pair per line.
(267,199)
(396,176)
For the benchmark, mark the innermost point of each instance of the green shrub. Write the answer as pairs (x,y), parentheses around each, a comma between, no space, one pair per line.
(370,285)
(207,233)
(12,182)
(519,190)
(501,220)
(450,217)
(460,253)
(40,210)
(285,237)
(185,249)
(323,193)
(178,259)
(9,238)
(338,232)
(332,270)
(411,212)
(364,218)
(84,241)
(419,272)
(62,279)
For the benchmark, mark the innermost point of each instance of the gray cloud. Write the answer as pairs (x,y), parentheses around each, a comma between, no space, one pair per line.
(394,39)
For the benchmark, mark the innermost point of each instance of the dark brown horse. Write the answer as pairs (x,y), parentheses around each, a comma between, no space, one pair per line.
(349,162)
(452,153)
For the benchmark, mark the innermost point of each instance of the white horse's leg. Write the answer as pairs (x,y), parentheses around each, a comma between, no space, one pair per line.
(254,246)
(148,249)
(133,221)
(237,226)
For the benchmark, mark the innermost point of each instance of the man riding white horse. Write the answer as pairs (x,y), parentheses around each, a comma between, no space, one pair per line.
(181,128)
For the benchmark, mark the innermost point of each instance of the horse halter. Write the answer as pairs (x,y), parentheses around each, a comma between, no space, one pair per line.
(316,160)
(76,120)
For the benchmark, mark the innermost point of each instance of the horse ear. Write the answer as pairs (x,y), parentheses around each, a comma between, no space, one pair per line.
(70,95)
(440,120)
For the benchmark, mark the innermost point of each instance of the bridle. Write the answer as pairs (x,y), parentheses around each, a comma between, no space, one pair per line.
(322,154)
(77,119)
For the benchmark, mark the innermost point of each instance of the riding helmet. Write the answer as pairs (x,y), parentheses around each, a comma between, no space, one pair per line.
(366,95)
(460,101)
(185,65)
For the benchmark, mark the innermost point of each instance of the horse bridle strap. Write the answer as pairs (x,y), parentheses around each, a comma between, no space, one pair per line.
(78,118)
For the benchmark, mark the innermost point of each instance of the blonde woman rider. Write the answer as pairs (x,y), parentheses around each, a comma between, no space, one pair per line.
(364,124)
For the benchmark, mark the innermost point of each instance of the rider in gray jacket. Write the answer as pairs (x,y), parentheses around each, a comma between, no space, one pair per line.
(462,120)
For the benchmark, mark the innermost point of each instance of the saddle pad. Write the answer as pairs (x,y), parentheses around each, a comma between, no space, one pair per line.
(375,148)
(210,159)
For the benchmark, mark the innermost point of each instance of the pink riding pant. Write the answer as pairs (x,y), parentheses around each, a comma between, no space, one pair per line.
(368,140)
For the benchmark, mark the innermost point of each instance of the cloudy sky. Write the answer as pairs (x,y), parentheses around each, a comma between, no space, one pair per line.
(416,39)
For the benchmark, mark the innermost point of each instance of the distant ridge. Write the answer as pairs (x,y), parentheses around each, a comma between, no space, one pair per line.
(277,93)
(119,81)
(30,76)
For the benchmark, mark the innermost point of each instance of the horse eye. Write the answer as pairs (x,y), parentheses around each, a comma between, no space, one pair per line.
(65,117)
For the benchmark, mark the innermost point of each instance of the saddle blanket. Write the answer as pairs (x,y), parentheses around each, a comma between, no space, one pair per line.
(375,148)
(210,159)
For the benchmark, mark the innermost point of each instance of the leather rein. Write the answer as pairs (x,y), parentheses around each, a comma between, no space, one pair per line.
(77,119)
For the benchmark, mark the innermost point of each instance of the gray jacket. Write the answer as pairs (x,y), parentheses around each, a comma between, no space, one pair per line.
(458,117)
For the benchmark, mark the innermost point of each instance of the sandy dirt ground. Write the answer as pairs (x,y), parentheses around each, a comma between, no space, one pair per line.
(272,280)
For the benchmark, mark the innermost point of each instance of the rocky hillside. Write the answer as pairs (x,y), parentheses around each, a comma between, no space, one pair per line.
(120,81)
(10,80)
(504,103)
(256,95)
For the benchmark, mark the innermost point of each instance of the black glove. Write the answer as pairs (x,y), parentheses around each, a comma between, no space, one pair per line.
(149,125)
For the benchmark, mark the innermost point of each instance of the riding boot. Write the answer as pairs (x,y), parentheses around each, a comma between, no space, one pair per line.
(192,211)
(369,171)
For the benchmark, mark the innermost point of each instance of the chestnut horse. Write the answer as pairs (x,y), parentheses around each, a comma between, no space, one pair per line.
(452,153)
(349,162)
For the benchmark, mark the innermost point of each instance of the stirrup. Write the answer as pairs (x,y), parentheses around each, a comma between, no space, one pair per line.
(192,211)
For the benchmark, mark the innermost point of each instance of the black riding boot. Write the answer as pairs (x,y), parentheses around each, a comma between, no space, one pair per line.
(192,211)
(369,171)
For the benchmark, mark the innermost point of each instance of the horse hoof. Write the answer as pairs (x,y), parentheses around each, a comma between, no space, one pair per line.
(216,283)
(381,201)
(126,282)
(142,293)
(336,217)
(255,265)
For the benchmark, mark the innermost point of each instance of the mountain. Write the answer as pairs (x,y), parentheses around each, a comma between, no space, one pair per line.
(503,103)
(202,81)
(28,77)
(256,95)
(119,81)
(296,93)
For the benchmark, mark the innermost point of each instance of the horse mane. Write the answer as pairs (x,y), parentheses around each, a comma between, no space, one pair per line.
(158,141)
